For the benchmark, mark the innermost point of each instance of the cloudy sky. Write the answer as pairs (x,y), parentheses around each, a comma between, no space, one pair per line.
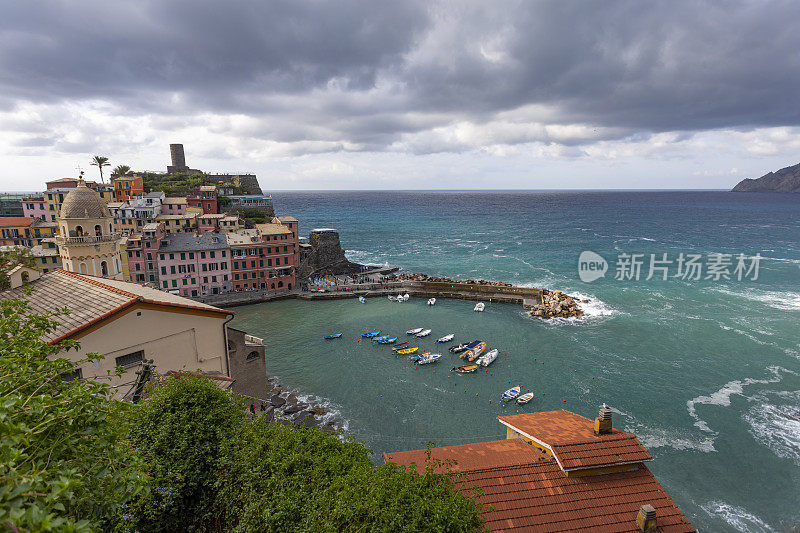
(366,94)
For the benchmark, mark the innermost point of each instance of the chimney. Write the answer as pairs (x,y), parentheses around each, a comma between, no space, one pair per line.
(602,424)
(646,519)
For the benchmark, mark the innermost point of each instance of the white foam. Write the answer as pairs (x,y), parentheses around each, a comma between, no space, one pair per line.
(785,301)
(737,517)
(777,426)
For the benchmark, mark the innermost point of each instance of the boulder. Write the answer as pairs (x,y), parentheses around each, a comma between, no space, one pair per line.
(277,401)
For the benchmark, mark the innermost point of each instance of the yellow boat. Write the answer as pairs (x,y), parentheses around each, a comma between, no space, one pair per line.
(406,351)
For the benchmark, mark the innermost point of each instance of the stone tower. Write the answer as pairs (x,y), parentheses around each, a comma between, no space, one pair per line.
(87,241)
(178,159)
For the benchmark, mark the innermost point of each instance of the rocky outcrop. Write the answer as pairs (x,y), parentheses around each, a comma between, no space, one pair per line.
(289,409)
(784,180)
(556,304)
(324,255)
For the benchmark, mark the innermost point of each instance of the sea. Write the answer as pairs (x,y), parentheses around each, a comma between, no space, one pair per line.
(703,366)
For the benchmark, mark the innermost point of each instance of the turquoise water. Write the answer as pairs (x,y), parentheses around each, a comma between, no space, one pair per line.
(706,373)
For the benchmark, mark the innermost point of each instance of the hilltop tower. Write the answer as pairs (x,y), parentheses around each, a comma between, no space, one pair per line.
(87,241)
(178,159)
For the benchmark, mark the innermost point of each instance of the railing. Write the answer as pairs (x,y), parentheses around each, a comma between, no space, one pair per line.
(87,239)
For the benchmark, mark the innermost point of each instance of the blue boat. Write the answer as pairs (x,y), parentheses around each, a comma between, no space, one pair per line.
(333,336)
(379,339)
(388,340)
(371,334)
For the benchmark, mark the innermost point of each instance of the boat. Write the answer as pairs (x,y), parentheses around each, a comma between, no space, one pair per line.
(446,338)
(480,306)
(475,352)
(466,369)
(388,340)
(423,333)
(429,358)
(468,348)
(460,348)
(525,398)
(414,331)
(431,301)
(487,358)
(392,298)
(379,339)
(400,346)
(333,336)
(362,299)
(512,393)
(407,351)
(371,334)
(417,357)
(406,297)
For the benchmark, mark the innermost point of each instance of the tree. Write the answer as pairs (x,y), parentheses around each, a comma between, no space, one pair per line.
(10,259)
(120,170)
(99,161)
(64,465)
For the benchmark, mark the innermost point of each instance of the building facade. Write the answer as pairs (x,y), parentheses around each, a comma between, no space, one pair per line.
(127,187)
(204,197)
(25,231)
(35,207)
(194,265)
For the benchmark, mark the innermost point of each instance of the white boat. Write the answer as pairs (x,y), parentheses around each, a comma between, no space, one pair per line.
(362,299)
(414,331)
(429,358)
(480,306)
(423,333)
(406,297)
(400,298)
(432,301)
(525,398)
(487,358)
(391,298)
(446,338)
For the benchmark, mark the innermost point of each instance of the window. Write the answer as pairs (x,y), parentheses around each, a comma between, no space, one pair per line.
(236,276)
(172,256)
(223,253)
(174,283)
(183,256)
(149,255)
(202,255)
(183,281)
(163,271)
(252,356)
(211,254)
(214,279)
(172,269)
(205,279)
(225,277)
(72,376)
(236,264)
(130,359)
(165,285)
(191,255)
(104,268)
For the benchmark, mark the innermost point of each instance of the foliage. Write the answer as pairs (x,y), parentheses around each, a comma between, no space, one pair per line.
(11,258)
(288,478)
(121,170)
(178,432)
(253,216)
(99,161)
(63,463)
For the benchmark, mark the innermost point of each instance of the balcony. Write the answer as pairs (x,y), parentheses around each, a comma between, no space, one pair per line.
(87,239)
(249,340)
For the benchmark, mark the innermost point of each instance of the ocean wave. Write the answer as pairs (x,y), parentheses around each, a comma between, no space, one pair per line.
(333,411)
(786,301)
(777,426)
(663,437)
(737,517)
(722,397)
(748,335)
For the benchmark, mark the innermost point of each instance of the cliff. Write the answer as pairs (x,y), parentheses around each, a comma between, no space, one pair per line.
(324,255)
(785,180)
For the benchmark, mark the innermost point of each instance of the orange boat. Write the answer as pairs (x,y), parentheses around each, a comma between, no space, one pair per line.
(475,352)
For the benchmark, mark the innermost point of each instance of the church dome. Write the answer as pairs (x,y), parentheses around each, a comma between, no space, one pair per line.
(83,202)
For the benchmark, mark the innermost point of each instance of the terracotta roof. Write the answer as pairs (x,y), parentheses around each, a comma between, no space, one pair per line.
(527,491)
(91,299)
(572,440)
(272,229)
(16,221)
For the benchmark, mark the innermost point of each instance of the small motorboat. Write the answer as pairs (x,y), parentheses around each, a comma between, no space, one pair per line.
(423,333)
(460,348)
(333,336)
(371,334)
(512,393)
(487,358)
(379,339)
(392,298)
(465,369)
(475,352)
(400,346)
(388,340)
(406,297)
(525,398)
(468,348)
(408,351)
(417,357)
(480,306)
(429,358)
(400,298)
(446,338)
(414,331)
(431,301)
(362,299)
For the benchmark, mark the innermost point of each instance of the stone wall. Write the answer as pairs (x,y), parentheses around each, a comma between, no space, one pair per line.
(248,365)
(325,256)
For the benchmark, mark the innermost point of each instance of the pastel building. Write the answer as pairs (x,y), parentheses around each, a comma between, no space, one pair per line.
(25,231)
(204,197)
(185,223)
(263,258)
(194,265)
(209,222)
(127,187)
(35,207)
(171,205)
(142,252)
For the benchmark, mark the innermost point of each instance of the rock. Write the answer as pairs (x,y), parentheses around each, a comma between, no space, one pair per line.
(319,411)
(291,398)
(329,428)
(268,415)
(292,409)
(277,401)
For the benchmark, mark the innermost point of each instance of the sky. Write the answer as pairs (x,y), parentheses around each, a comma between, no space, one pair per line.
(435,94)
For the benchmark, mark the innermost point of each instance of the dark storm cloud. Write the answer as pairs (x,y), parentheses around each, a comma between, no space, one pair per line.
(364,71)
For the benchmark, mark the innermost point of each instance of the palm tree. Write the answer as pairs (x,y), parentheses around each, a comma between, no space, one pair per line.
(99,161)
(120,170)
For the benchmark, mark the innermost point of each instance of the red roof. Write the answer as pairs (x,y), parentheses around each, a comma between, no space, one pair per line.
(571,439)
(527,491)
(16,221)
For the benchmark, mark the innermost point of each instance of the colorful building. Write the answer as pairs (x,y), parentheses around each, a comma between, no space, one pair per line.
(558,471)
(142,253)
(173,206)
(46,256)
(263,258)
(194,265)
(186,223)
(25,231)
(35,207)
(209,222)
(127,187)
(204,197)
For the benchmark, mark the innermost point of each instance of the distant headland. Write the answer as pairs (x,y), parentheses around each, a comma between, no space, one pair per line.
(785,180)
